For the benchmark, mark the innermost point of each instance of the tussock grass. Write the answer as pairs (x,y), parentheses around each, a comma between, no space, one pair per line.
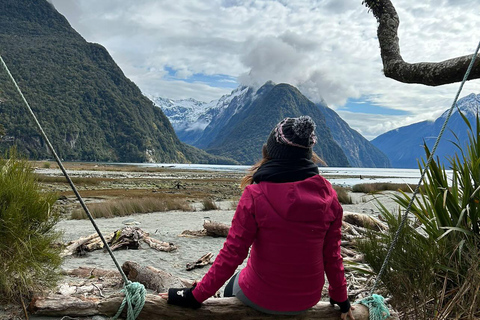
(29,262)
(342,195)
(433,272)
(209,204)
(373,188)
(125,207)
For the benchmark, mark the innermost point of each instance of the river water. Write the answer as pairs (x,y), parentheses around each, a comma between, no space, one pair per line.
(346,177)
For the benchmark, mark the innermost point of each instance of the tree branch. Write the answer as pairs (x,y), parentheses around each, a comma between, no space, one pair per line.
(427,73)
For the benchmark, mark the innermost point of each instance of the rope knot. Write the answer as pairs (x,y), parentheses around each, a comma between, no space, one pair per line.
(134,299)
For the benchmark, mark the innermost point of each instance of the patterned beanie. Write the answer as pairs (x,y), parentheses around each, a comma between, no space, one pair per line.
(292,138)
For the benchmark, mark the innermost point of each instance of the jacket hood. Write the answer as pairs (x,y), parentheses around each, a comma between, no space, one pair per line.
(304,201)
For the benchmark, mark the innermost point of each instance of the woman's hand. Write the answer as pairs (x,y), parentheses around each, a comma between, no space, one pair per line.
(345,316)
(181,297)
(345,308)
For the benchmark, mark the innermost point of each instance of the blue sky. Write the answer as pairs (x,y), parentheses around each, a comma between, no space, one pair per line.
(327,48)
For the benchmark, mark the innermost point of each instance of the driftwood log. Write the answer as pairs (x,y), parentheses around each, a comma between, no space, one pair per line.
(86,298)
(157,308)
(125,238)
(153,278)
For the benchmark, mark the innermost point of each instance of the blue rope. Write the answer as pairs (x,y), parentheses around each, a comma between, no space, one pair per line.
(132,290)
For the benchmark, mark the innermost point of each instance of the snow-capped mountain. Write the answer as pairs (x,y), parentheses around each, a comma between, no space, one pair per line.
(404,145)
(190,117)
(223,126)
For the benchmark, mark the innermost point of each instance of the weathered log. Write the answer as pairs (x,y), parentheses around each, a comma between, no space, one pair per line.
(157,308)
(87,272)
(152,278)
(216,229)
(204,260)
(73,246)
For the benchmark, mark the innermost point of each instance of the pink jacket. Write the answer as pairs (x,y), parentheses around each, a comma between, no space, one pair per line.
(294,231)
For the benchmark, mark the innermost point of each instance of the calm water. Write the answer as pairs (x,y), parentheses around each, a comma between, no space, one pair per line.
(337,176)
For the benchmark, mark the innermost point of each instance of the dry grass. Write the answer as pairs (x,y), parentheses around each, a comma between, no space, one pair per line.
(342,195)
(125,207)
(209,204)
(373,188)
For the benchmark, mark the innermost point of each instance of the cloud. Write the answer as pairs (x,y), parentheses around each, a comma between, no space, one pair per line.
(327,48)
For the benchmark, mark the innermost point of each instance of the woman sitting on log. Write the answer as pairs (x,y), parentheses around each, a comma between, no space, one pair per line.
(291,218)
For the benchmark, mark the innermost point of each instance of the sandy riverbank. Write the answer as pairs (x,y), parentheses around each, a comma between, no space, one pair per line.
(166,226)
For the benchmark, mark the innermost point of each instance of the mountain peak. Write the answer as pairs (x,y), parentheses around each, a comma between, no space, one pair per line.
(468,105)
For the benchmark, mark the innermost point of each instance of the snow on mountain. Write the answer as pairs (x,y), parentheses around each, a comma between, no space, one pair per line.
(404,145)
(189,117)
(469,105)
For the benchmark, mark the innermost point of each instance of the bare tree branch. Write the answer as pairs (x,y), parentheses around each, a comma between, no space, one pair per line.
(427,73)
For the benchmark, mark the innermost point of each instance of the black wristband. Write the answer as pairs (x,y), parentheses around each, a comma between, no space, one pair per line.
(183,297)
(344,306)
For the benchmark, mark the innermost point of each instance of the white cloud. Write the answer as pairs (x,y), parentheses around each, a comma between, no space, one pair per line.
(327,48)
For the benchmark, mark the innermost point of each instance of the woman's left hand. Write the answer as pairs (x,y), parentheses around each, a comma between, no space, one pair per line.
(345,316)
(181,297)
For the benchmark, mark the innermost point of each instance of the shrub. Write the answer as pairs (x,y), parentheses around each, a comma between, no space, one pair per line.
(29,261)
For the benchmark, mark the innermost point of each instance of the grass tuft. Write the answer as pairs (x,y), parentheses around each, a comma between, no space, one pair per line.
(209,204)
(342,195)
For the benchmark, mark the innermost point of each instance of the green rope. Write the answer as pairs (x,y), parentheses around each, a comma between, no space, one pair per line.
(132,290)
(376,307)
(134,299)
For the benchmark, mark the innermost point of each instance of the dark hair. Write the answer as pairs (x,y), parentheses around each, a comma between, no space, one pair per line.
(248,178)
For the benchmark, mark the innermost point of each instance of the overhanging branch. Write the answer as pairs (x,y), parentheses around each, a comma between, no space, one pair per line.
(427,73)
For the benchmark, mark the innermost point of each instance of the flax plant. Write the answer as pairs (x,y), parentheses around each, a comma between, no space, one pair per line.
(434,271)
(28,260)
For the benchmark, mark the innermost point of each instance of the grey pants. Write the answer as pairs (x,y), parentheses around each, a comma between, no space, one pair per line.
(233,289)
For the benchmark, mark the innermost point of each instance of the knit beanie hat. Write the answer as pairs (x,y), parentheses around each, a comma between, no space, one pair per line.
(292,138)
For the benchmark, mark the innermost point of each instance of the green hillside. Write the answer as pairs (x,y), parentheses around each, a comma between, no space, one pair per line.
(88,108)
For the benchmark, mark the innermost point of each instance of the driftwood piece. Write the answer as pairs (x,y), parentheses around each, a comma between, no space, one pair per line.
(200,263)
(125,238)
(193,233)
(128,237)
(152,278)
(157,308)
(159,245)
(216,229)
